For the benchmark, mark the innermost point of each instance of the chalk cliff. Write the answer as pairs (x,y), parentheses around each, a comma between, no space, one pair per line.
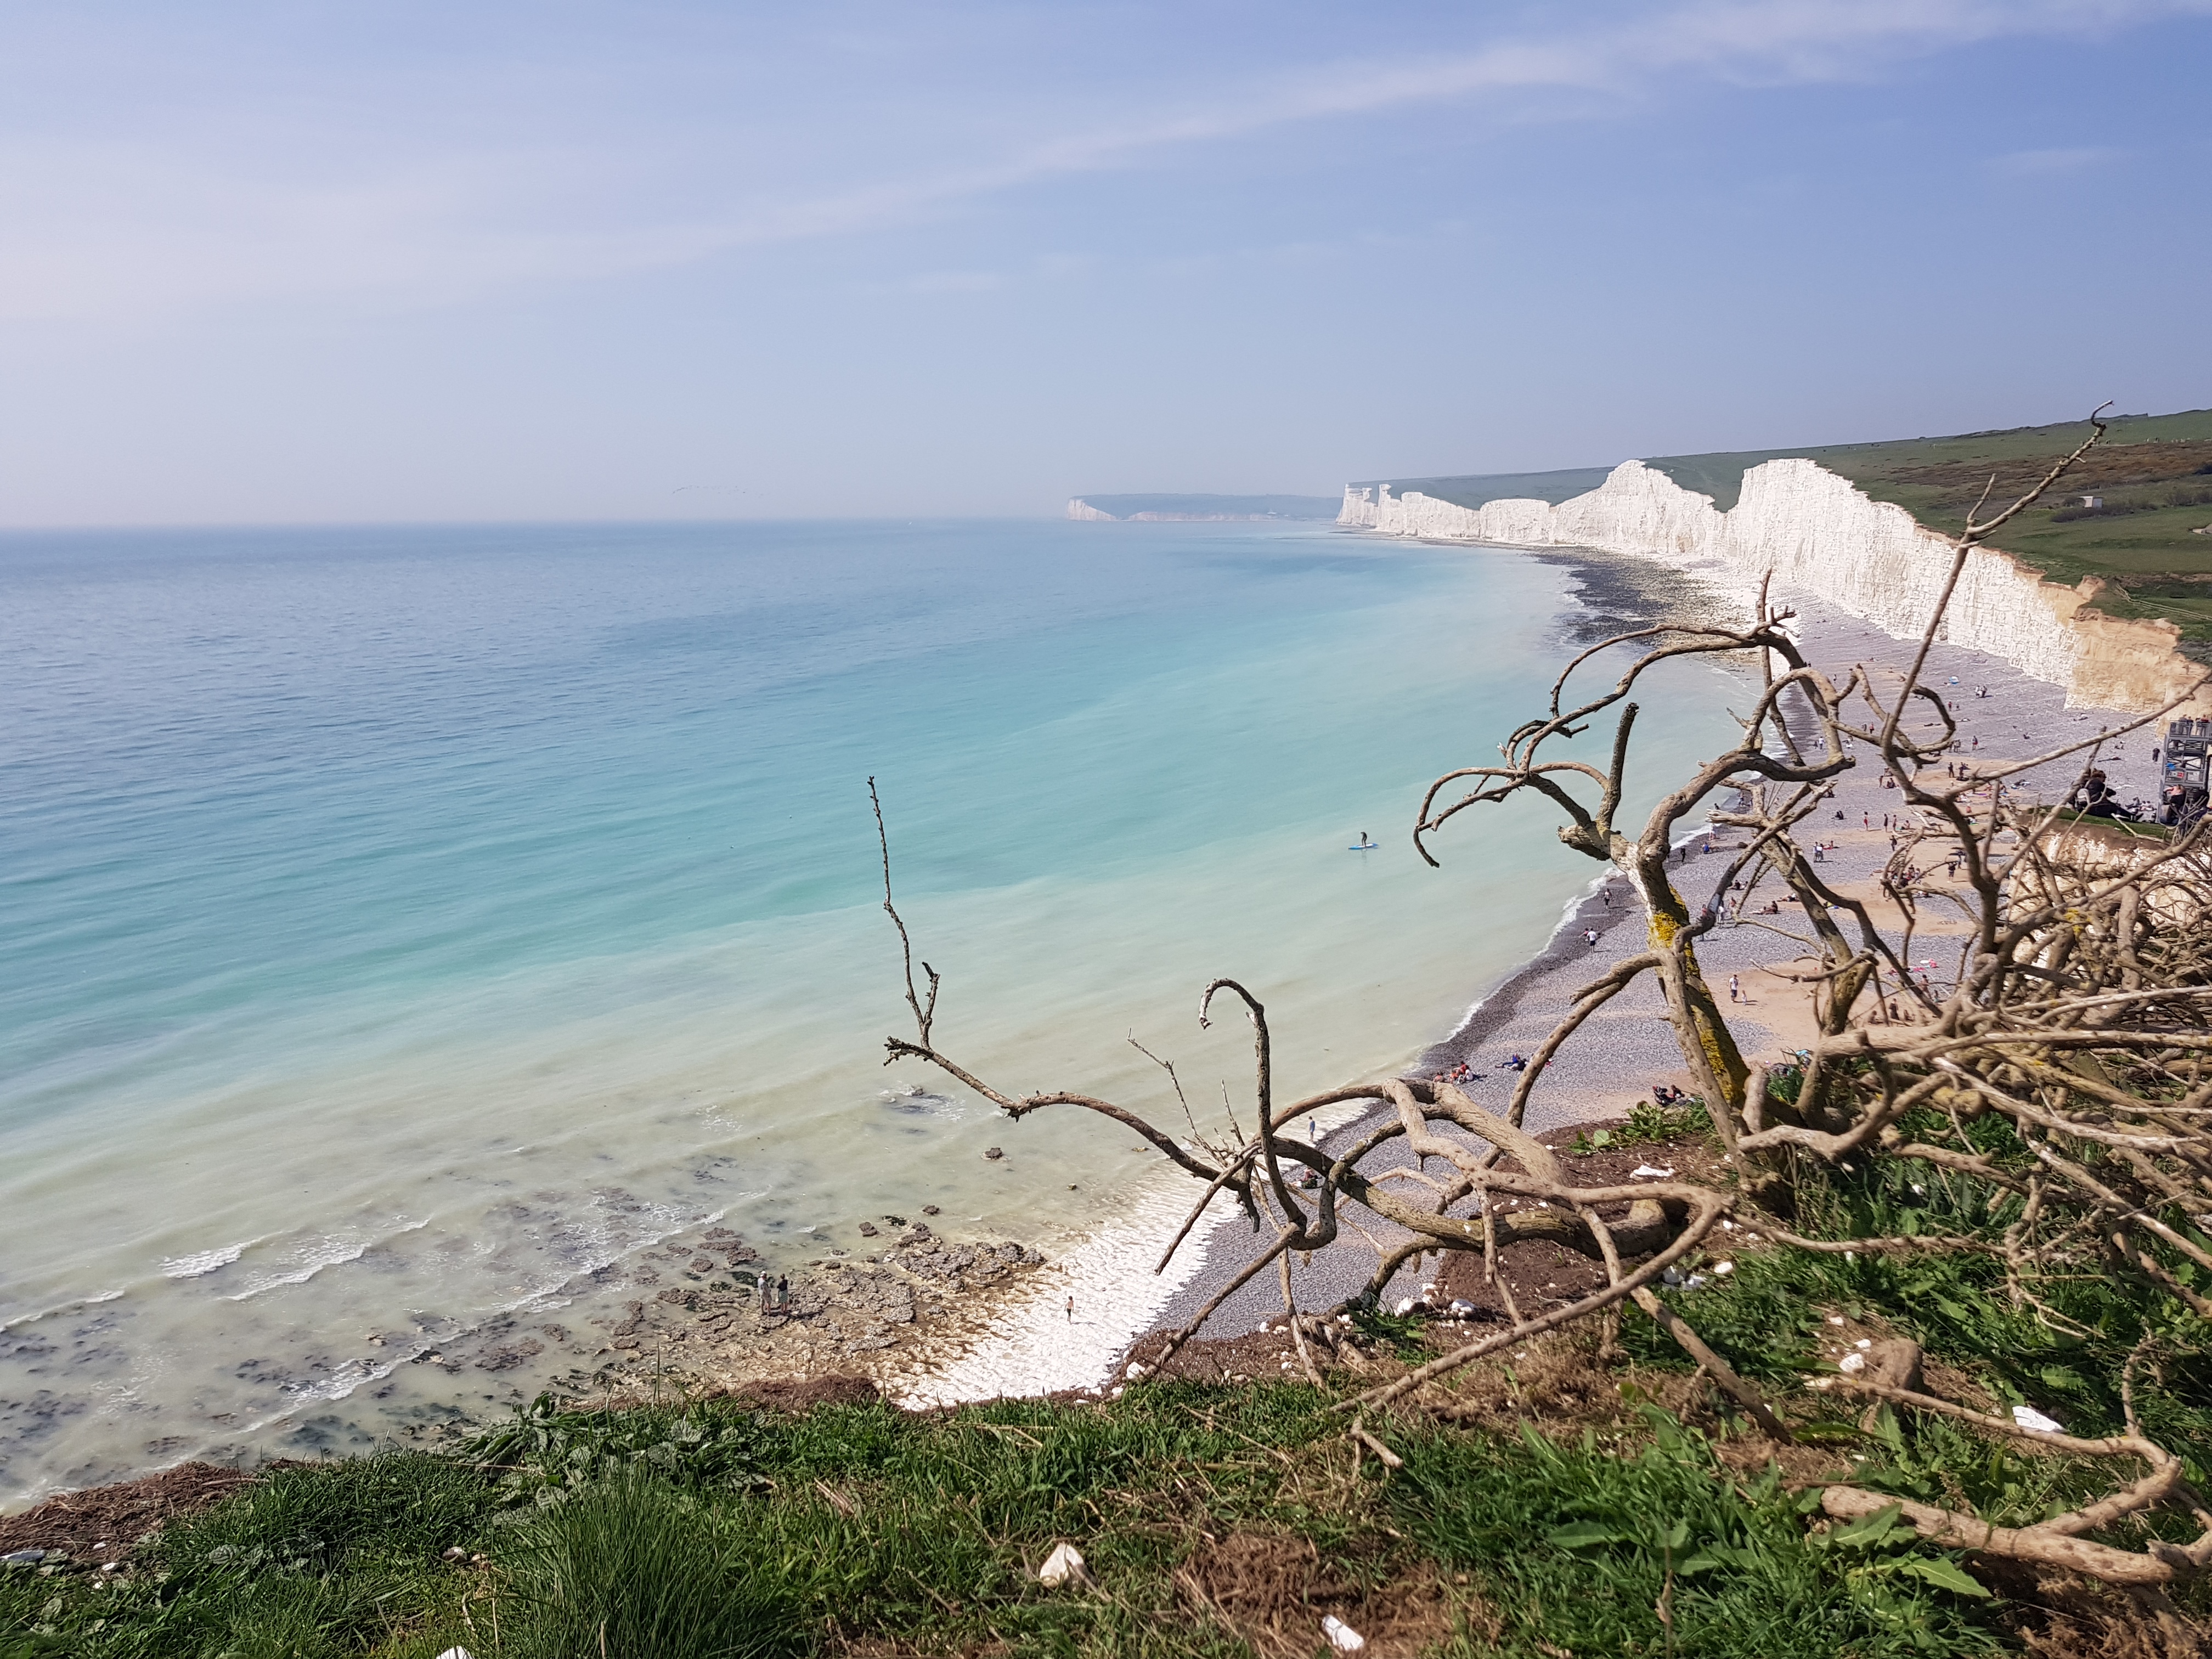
(1818,533)
(1080,509)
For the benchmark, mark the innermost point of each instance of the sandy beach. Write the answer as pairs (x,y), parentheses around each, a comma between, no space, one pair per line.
(1035,1346)
(933,1322)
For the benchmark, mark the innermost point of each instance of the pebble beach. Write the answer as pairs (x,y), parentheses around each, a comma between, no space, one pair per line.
(1034,1345)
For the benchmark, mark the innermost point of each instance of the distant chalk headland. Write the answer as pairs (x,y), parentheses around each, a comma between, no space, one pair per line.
(1200,509)
(2104,587)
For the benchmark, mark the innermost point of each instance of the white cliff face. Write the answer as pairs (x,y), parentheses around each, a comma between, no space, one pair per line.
(1818,533)
(1081,510)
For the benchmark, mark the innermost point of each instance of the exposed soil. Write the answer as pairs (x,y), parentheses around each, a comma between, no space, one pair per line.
(1542,1275)
(795,1397)
(104,1523)
(1274,1590)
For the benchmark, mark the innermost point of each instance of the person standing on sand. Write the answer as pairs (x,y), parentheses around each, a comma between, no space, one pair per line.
(1735,991)
(1071,1311)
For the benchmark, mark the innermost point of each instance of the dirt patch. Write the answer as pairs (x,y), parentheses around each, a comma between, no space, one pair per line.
(1274,1590)
(1542,1275)
(1261,1356)
(107,1521)
(2058,1616)
(795,1397)
(1554,1384)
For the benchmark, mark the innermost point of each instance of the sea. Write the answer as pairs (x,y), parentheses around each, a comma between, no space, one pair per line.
(406,927)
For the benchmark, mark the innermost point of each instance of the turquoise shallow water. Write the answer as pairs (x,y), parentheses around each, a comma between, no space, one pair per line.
(404,924)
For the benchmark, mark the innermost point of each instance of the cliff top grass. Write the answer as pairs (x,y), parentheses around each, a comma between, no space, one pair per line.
(2153,473)
(1555,1500)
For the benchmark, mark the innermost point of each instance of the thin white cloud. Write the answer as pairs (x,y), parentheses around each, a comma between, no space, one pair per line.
(107,231)
(2054,163)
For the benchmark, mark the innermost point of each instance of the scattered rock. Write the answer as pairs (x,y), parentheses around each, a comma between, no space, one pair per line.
(994,1153)
(514,1353)
(867,1230)
(929,1209)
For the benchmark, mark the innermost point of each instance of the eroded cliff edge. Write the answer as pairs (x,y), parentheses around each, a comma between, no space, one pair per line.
(1818,533)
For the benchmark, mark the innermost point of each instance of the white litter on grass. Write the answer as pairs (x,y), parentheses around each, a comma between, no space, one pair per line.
(1723,1266)
(1341,1636)
(1645,1172)
(2028,1417)
(1852,1362)
(1066,1562)
(457,1653)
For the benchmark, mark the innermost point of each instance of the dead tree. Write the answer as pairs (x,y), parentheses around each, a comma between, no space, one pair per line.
(2080,1012)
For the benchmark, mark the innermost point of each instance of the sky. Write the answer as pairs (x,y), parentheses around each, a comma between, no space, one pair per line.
(307,262)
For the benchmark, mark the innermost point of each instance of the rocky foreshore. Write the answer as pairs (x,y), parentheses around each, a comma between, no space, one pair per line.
(731,1322)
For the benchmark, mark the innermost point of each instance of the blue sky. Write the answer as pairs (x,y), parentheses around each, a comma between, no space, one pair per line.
(308,261)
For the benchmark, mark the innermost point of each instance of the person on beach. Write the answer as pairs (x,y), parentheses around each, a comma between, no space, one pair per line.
(1590,936)
(1735,991)
(1071,1311)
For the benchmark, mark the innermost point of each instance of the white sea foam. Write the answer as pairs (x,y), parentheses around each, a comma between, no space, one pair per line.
(204,1262)
(58,1309)
(330,1252)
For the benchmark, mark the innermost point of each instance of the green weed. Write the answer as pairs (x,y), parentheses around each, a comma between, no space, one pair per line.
(1580,1548)
(635,1568)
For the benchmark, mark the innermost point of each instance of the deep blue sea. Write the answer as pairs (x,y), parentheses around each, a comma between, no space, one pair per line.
(404,923)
